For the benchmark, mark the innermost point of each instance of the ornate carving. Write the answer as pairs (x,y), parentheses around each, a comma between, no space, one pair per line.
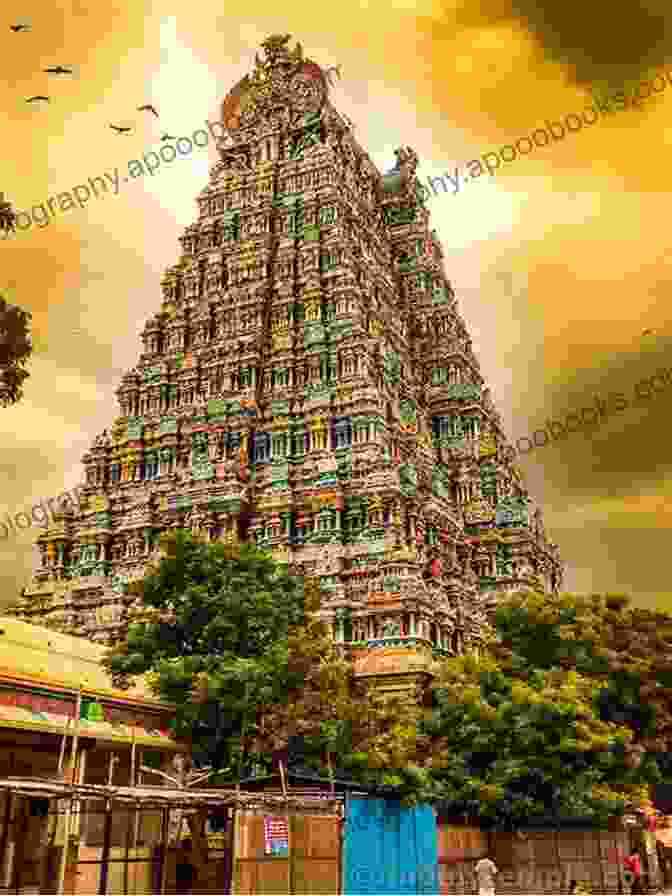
(278,312)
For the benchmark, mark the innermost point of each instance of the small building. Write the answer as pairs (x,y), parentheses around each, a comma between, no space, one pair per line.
(62,720)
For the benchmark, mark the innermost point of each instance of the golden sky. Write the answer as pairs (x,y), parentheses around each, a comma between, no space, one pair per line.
(560,260)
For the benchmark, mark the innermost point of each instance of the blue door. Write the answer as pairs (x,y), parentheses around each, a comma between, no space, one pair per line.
(389,849)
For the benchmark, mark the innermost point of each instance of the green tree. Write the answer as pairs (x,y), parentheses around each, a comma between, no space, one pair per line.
(15,349)
(547,720)
(601,636)
(212,631)
(238,646)
(346,727)
(508,744)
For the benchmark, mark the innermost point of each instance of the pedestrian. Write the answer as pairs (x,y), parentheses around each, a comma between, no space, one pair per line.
(486,871)
(633,872)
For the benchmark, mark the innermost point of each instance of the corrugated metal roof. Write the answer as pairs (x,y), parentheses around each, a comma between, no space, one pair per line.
(53,658)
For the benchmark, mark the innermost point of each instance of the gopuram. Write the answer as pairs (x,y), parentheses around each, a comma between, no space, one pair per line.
(308,385)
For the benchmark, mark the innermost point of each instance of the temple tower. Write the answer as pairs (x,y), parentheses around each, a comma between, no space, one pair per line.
(310,385)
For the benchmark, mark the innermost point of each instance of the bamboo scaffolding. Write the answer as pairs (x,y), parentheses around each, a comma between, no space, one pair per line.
(157,797)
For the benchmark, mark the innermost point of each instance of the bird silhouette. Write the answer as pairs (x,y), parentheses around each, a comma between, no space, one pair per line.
(148,108)
(35,99)
(167,137)
(20,26)
(648,332)
(120,130)
(57,70)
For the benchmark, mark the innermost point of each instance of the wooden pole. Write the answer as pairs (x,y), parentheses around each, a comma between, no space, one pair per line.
(231,838)
(136,813)
(331,773)
(75,738)
(44,861)
(128,848)
(81,775)
(290,857)
(133,747)
(5,836)
(19,849)
(64,852)
(114,759)
(107,843)
(68,811)
(163,863)
(61,755)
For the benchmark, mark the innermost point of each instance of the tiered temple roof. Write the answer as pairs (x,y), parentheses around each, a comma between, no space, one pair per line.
(308,384)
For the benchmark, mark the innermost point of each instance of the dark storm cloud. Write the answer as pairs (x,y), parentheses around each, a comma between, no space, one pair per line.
(627,453)
(600,43)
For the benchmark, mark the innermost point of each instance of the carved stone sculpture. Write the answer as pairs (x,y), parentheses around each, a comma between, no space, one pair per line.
(347,426)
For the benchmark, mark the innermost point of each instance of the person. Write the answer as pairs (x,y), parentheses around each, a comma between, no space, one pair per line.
(486,871)
(573,886)
(633,872)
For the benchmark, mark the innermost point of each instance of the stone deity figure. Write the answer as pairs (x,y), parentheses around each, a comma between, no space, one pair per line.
(360,631)
(196,520)
(390,628)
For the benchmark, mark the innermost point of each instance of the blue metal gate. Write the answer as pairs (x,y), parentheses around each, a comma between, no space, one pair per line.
(389,849)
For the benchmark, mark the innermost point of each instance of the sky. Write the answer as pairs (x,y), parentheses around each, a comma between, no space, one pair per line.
(560,260)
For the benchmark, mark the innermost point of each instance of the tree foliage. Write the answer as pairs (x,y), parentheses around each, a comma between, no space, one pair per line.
(212,632)
(507,745)
(15,349)
(599,636)
(237,645)
(565,712)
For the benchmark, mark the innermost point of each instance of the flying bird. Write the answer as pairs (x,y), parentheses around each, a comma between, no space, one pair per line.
(20,26)
(167,137)
(148,108)
(35,99)
(120,130)
(57,70)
